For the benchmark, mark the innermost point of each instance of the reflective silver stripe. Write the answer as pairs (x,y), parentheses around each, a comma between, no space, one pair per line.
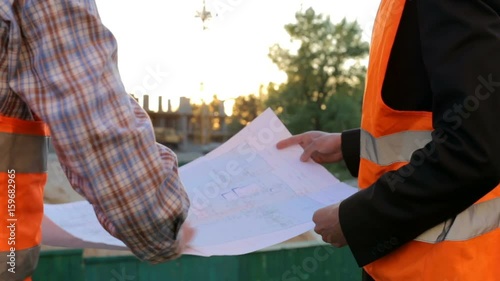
(23,153)
(478,219)
(25,262)
(474,221)
(392,148)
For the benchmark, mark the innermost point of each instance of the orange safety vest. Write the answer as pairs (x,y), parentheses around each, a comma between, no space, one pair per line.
(23,166)
(470,251)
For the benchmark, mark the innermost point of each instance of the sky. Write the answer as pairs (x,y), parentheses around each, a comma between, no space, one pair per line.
(164,51)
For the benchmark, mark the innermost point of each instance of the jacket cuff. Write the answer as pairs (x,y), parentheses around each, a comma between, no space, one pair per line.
(351,150)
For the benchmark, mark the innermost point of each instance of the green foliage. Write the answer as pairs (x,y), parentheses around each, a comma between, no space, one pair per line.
(215,106)
(325,80)
(245,109)
(325,77)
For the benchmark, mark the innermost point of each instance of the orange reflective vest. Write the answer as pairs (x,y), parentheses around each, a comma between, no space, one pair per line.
(23,165)
(471,249)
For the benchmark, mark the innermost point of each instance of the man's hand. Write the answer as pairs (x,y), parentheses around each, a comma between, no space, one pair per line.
(328,225)
(186,235)
(320,146)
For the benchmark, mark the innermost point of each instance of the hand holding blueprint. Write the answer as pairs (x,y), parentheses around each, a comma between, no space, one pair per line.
(245,195)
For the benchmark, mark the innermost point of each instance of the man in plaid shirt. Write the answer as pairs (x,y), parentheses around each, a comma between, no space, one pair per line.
(59,64)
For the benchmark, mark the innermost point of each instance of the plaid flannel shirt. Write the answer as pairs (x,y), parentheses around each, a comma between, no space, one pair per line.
(58,61)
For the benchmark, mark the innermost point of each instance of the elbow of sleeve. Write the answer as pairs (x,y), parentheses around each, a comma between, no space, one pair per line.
(355,223)
(496,166)
(351,150)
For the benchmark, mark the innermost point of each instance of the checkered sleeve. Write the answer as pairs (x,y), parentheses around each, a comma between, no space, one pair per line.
(66,71)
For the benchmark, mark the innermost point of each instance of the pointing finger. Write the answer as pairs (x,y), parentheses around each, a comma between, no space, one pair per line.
(290,141)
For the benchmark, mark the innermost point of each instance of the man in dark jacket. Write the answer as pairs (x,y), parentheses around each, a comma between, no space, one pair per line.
(444,54)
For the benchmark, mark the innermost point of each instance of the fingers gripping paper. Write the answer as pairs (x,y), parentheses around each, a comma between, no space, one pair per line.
(245,195)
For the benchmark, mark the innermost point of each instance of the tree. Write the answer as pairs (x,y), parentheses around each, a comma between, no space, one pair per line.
(245,109)
(215,106)
(325,77)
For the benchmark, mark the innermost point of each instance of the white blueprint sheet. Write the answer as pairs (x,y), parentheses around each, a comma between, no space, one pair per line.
(245,195)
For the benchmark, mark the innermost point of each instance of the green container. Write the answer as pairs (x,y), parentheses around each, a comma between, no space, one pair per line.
(295,262)
(60,265)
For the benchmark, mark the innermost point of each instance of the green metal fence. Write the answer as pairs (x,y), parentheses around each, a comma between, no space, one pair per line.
(65,265)
(316,262)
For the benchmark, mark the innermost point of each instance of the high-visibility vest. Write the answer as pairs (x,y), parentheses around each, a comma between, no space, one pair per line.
(470,250)
(23,166)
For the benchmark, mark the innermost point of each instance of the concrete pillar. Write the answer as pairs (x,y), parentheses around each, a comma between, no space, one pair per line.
(206,124)
(185,111)
(160,104)
(222,121)
(145,103)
